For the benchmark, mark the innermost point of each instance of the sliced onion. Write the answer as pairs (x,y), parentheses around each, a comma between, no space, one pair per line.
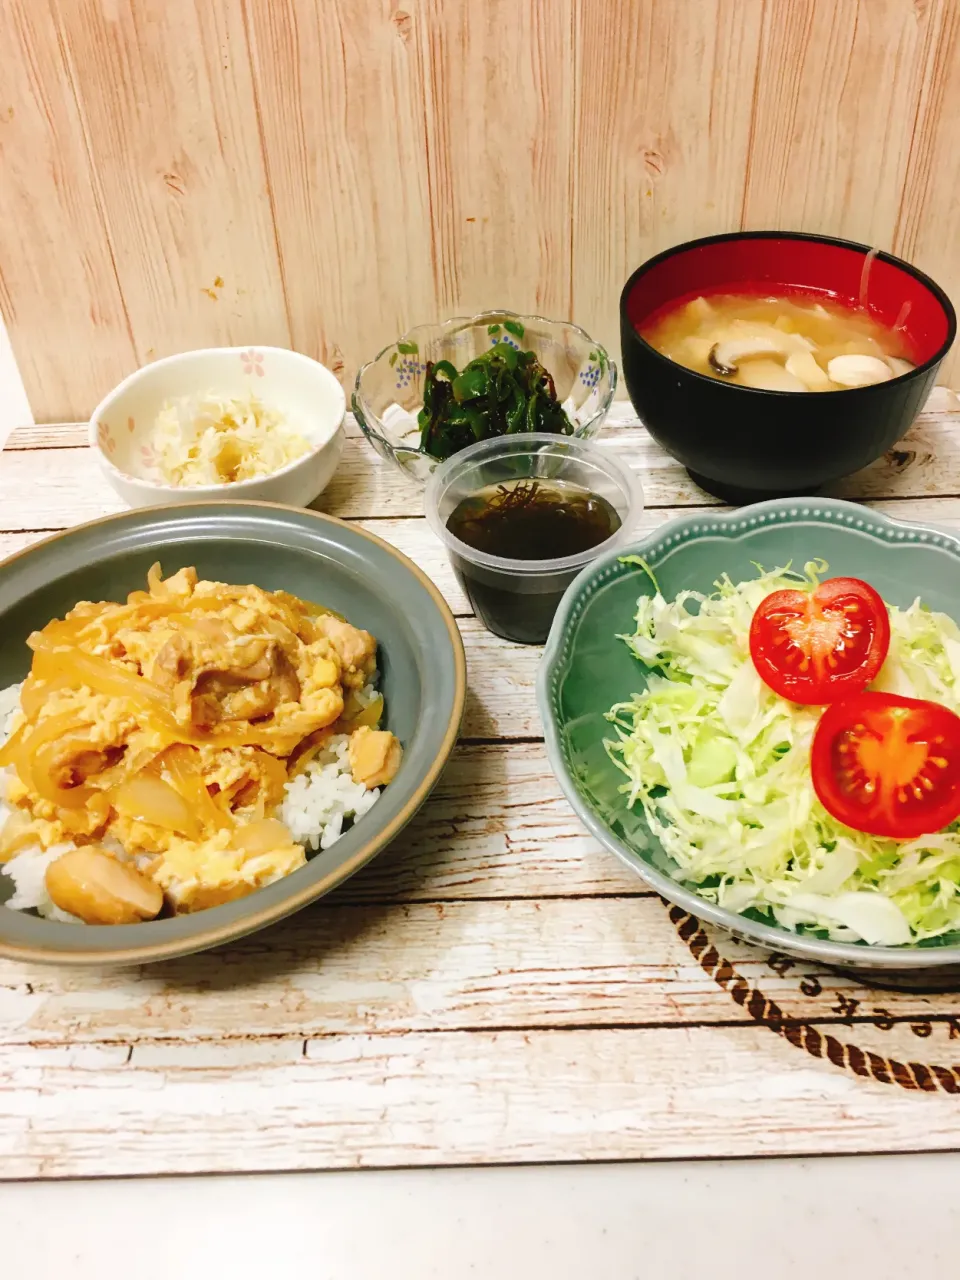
(352,707)
(183,765)
(309,749)
(33,694)
(10,751)
(150,799)
(64,631)
(255,838)
(370,715)
(74,667)
(15,835)
(139,606)
(356,713)
(155,583)
(275,776)
(99,674)
(35,764)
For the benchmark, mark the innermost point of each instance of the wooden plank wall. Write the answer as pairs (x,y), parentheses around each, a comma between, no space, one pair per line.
(323,173)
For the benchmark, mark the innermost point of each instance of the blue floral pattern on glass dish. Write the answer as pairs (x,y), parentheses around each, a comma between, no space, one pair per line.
(591,375)
(407,369)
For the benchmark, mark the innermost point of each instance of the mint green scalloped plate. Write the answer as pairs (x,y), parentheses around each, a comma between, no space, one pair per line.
(586,669)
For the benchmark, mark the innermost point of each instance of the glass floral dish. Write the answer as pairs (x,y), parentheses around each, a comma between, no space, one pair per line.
(389,390)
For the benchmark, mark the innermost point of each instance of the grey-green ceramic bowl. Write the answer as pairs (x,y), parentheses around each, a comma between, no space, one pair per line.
(423,679)
(586,669)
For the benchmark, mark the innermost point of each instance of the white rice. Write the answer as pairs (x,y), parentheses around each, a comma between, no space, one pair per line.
(9,706)
(28,869)
(316,806)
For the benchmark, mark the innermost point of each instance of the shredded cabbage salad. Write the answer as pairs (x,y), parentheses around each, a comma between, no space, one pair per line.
(721,767)
(218,440)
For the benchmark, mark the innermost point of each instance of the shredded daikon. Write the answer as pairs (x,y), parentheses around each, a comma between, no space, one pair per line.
(217,440)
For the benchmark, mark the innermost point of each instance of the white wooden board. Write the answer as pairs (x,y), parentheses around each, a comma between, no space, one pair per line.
(495,987)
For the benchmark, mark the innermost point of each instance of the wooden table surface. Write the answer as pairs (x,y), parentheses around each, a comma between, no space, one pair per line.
(493,988)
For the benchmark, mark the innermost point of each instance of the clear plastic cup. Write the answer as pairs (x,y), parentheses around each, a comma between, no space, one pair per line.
(515,597)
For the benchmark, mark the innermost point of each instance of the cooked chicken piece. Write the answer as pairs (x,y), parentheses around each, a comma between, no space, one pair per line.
(214,630)
(172,663)
(216,672)
(246,693)
(375,757)
(87,764)
(284,678)
(90,883)
(205,896)
(356,649)
(217,645)
(262,668)
(252,702)
(70,767)
(204,711)
(287,638)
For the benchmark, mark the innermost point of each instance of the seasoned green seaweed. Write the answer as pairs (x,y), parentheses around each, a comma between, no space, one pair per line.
(502,392)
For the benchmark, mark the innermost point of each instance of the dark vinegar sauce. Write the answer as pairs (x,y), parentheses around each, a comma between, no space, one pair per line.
(526,520)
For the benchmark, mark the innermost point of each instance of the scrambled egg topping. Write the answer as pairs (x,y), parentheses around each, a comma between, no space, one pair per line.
(160,735)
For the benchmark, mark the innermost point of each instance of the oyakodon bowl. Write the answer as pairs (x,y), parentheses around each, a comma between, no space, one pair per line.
(741,443)
(420,657)
(587,668)
(389,389)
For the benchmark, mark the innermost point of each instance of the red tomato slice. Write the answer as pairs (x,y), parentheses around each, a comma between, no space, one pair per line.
(887,765)
(816,647)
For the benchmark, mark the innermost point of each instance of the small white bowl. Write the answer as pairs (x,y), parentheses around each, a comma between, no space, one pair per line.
(305,392)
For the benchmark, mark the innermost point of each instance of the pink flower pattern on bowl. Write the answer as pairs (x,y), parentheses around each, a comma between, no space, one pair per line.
(106,440)
(149,457)
(252,362)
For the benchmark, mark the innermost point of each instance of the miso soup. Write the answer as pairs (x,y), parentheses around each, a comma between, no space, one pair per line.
(800,343)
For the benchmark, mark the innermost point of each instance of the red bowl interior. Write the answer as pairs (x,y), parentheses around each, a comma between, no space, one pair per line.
(893,295)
